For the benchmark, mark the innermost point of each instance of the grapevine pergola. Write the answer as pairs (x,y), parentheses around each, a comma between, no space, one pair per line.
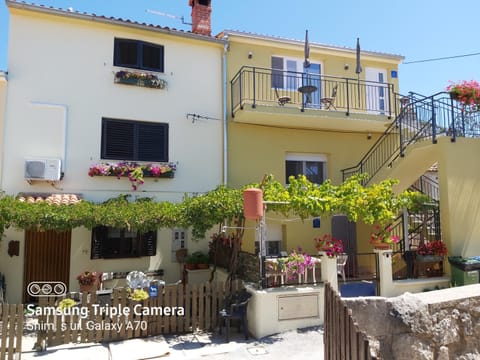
(375,203)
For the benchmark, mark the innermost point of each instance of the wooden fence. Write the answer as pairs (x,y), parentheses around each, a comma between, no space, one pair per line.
(342,338)
(120,318)
(11,331)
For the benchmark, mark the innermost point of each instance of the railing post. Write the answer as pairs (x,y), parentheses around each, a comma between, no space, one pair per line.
(454,130)
(348,97)
(406,239)
(240,91)
(434,123)
(263,276)
(400,132)
(254,75)
(390,92)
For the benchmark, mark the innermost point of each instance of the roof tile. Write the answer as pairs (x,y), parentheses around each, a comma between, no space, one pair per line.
(52,199)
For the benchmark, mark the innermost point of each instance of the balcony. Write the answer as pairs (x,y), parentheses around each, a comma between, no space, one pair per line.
(284,98)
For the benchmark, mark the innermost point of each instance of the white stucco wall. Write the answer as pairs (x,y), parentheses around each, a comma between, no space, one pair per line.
(61,84)
(3,99)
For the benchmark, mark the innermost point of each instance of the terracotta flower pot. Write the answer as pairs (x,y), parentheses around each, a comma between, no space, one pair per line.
(190,266)
(88,287)
(382,246)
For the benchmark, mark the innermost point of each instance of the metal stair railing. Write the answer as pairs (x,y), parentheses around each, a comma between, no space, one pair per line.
(427,186)
(387,148)
(420,118)
(425,223)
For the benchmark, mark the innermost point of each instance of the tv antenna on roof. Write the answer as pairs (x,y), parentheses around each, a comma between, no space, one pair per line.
(168,15)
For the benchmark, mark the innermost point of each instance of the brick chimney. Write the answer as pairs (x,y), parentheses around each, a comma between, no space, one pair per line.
(201,13)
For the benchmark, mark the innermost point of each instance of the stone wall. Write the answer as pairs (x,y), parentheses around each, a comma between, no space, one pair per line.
(442,324)
(248,267)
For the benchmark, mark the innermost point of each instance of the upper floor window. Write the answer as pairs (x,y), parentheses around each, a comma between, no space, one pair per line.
(110,243)
(138,55)
(313,166)
(291,74)
(134,140)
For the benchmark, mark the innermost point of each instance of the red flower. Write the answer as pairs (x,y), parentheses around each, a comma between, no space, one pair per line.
(329,244)
(436,247)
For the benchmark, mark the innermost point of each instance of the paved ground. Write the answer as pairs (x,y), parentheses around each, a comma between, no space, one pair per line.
(297,344)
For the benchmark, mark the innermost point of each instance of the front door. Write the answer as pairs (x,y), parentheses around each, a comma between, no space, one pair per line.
(47,258)
(346,231)
(377,91)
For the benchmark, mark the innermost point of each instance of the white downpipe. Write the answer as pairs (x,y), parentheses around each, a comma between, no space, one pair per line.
(225,137)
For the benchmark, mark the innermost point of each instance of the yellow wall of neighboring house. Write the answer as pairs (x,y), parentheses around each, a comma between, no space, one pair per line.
(459,181)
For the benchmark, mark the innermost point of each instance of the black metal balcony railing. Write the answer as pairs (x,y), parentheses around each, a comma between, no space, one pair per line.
(264,86)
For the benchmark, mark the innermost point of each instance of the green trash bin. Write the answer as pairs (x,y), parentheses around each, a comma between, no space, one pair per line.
(465,271)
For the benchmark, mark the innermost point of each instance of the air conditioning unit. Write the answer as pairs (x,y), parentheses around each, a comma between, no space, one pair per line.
(43,169)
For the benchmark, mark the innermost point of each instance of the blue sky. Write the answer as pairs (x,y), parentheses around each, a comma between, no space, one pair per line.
(415,29)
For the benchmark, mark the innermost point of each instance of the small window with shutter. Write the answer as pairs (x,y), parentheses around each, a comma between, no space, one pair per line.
(138,55)
(134,140)
(116,243)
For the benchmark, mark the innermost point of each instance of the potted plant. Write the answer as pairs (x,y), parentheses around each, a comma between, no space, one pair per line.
(382,239)
(190,262)
(466,92)
(296,264)
(432,251)
(332,246)
(203,261)
(66,304)
(137,295)
(88,281)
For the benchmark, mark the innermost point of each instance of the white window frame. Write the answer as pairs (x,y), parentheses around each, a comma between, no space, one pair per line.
(274,234)
(179,241)
(294,84)
(304,157)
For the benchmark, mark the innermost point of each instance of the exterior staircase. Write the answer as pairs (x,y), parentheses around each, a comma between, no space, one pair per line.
(414,131)
(406,150)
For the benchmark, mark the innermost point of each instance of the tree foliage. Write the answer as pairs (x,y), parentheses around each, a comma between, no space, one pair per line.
(223,205)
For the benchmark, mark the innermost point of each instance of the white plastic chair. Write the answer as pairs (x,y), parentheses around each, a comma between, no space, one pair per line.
(341,262)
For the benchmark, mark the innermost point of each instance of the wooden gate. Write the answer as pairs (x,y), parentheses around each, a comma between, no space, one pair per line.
(47,258)
(342,338)
(11,331)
